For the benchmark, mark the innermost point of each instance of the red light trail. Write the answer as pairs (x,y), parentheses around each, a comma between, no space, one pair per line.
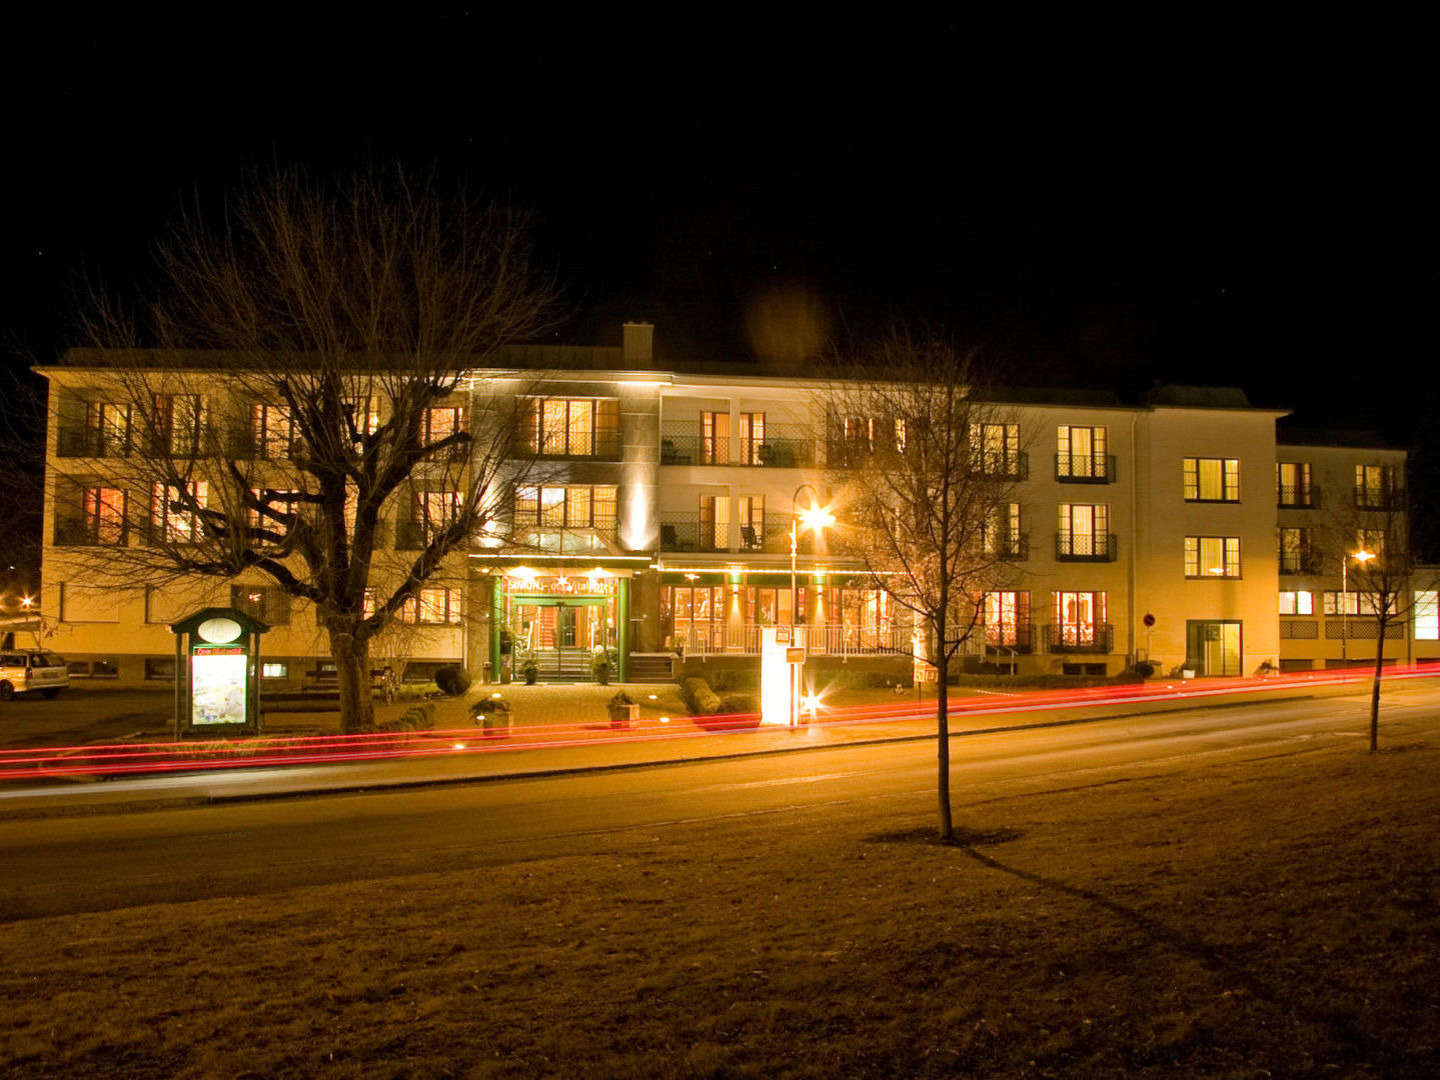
(122,759)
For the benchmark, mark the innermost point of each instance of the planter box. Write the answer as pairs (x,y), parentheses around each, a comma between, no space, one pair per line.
(624,717)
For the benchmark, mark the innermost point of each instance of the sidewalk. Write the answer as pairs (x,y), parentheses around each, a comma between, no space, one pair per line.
(570,742)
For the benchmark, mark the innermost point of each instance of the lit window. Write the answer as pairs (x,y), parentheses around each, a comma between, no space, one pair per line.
(570,427)
(175,512)
(272,670)
(1427,615)
(272,430)
(1212,479)
(1297,603)
(1007,618)
(1338,602)
(1375,486)
(1000,531)
(103,512)
(1212,556)
(1084,531)
(995,448)
(1080,453)
(1292,482)
(432,606)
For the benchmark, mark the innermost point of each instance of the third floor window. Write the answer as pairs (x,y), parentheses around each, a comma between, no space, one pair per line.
(1212,479)
(1081,454)
(1292,483)
(995,450)
(1375,487)
(570,427)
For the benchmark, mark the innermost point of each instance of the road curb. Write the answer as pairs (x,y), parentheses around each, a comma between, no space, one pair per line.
(380,787)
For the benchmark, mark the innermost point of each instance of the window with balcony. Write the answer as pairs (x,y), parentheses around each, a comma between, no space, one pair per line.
(175,512)
(179,424)
(1000,533)
(432,606)
(1007,620)
(1292,483)
(575,518)
(750,517)
(272,431)
(995,450)
(1080,622)
(441,423)
(99,518)
(1212,479)
(1297,551)
(105,432)
(1375,487)
(714,523)
(1081,455)
(1212,556)
(714,438)
(1084,534)
(570,427)
(431,513)
(1371,540)
(1297,602)
(751,448)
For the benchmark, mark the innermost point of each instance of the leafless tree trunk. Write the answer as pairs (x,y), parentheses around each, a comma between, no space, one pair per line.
(1371,535)
(311,399)
(924,466)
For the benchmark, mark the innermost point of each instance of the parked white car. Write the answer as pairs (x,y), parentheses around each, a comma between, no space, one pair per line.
(25,670)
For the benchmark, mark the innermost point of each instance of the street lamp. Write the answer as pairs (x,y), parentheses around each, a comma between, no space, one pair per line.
(814,518)
(1362,556)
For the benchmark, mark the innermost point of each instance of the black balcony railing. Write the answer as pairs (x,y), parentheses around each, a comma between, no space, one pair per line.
(782,447)
(1086,547)
(1304,561)
(89,531)
(1377,499)
(1079,637)
(1010,638)
(1006,465)
(1298,497)
(690,532)
(598,444)
(90,442)
(1013,548)
(1085,468)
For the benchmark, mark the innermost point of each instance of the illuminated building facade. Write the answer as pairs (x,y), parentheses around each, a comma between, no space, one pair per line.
(659,526)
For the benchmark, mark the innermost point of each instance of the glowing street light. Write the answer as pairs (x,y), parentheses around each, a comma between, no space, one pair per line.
(1362,557)
(815,518)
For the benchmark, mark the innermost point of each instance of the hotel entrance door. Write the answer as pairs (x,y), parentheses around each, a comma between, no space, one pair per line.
(561,635)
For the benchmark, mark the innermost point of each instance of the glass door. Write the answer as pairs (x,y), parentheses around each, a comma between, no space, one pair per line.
(1213,647)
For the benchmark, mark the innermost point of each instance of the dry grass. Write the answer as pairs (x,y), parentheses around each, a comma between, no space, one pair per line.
(1274,918)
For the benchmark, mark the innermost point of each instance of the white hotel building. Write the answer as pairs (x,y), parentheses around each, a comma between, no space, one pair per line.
(1177,529)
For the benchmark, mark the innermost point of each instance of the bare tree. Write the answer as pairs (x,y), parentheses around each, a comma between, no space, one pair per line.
(1371,536)
(925,468)
(304,380)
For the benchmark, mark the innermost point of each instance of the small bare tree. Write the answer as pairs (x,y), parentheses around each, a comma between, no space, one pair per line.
(303,382)
(1371,534)
(925,468)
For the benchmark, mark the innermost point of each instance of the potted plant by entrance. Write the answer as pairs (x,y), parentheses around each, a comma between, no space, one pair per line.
(603,664)
(624,711)
(492,715)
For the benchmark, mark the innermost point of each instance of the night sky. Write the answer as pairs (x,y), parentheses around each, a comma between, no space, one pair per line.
(1111,206)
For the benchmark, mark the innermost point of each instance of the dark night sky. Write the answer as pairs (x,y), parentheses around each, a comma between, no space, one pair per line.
(1111,205)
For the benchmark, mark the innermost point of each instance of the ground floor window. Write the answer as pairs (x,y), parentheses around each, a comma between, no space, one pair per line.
(432,606)
(693,617)
(765,606)
(865,617)
(1077,616)
(1007,618)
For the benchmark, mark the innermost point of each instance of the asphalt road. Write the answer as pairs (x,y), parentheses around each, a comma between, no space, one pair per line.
(105,861)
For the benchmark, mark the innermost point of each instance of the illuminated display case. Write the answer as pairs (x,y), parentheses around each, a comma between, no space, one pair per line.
(217,673)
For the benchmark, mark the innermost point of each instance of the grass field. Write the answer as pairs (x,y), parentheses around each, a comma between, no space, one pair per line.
(1273,918)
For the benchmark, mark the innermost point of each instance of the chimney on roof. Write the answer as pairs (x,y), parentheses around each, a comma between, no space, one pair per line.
(637,344)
